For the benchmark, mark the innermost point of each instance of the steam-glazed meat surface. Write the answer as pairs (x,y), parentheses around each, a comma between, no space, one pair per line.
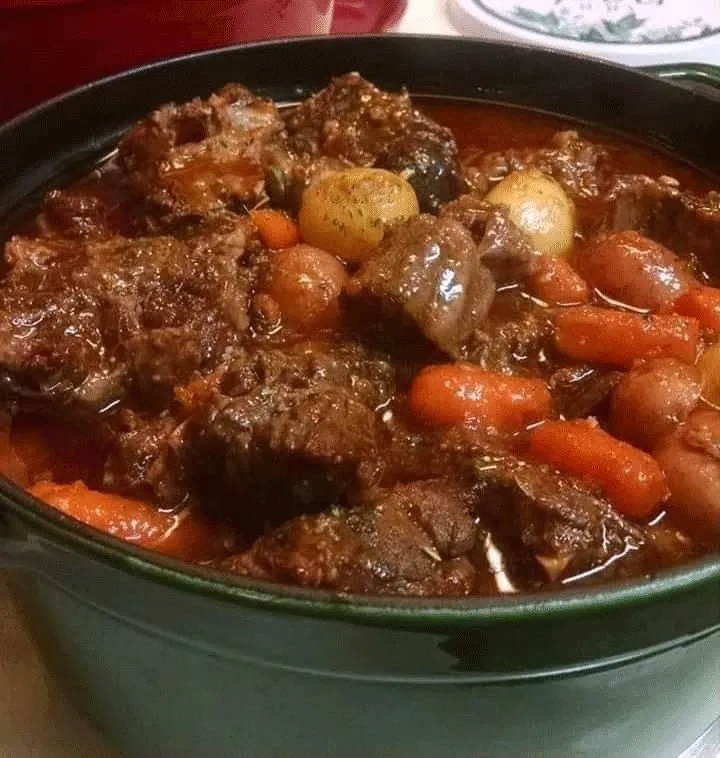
(200,157)
(371,345)
(412,540)
(355,121)
(427,280)
(85,323)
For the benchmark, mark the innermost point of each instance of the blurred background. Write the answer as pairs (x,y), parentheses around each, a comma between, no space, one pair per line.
(65,43)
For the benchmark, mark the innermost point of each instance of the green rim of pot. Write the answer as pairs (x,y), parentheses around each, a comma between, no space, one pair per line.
(43,521)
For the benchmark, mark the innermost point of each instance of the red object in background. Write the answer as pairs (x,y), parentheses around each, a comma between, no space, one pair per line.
(365,16)
(48,46)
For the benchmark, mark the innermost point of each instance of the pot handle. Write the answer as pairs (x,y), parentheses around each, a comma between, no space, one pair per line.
(703,74)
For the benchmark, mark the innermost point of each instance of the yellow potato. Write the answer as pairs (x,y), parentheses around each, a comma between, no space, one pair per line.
(709,365)
(347,212)
(539,206)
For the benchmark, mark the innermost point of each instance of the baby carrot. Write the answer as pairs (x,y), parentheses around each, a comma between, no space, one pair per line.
(628,476)
(452,393)
(277,230)
(619,338)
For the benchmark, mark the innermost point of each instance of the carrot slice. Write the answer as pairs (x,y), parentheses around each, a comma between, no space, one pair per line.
(277,230)
(184,535)
(453,393)
(556,282)
(702,303)
(629,477)
(618,338)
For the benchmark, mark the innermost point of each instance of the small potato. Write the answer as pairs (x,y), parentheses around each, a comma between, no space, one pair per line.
(347,212)
(539,206)
(709,365)
(652,399)
(306,283)
(689,460)
(635,270)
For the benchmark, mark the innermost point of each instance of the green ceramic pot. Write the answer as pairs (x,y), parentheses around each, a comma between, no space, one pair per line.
(170,661)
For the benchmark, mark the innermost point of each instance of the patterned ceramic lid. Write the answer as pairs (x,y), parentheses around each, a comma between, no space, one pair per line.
(613,21)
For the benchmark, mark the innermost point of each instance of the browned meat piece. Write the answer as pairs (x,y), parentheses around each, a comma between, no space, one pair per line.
(577,165)
(353,120)
(202,157)
(504,249)
(287,175)
(569,529)
(411,540)
(289,432)
(83,213)
(143,458)
(425,283)
(689,225)
(516,337)
(84,322)
(578,390)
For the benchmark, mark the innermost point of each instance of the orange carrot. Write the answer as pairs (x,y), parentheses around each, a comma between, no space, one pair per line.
(184,535)
(629,477)
(555,282)
(702,303)
(618,338)
(277,229)
(453,393)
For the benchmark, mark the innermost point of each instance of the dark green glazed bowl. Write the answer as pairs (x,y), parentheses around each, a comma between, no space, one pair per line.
(170,661)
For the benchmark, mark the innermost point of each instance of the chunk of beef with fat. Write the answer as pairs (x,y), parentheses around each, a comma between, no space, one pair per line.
(289,431)
(425,284)
(352,120)
(201,157)
(688,224)
(504,248)
(413,539)
(570,530)
(84,322)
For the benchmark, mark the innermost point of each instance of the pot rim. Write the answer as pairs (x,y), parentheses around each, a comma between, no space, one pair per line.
(53,528)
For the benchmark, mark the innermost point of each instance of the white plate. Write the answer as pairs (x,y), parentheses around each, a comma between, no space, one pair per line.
(633,32)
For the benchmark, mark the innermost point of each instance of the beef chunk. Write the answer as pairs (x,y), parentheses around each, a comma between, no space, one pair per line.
(201,157)
(429,162)
(575,163)
(426,282)
(688,224)
(411,540)
(568,528)
(288,175)
(84,322)
(289,432)
(353,120)
(504,248)
(87,212)
(516,337)
(578,390)
(143,457)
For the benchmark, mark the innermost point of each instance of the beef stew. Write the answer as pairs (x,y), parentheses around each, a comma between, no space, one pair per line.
(371,347)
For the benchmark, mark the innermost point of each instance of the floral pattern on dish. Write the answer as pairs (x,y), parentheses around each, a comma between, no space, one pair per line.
(612,21)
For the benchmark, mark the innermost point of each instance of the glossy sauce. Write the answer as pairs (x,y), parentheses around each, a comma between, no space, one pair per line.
(68,454)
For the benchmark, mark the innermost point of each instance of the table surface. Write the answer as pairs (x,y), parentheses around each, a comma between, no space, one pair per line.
(35,721)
